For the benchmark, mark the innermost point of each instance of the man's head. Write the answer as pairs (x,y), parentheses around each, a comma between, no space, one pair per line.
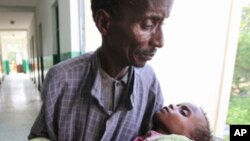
(184,119)
(131,29)
(113,7)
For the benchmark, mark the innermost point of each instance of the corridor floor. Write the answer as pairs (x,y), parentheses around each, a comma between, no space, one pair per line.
(19,106)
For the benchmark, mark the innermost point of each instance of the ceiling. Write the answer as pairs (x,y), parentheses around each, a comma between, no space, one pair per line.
(12,20)
(18,2)
(16,15)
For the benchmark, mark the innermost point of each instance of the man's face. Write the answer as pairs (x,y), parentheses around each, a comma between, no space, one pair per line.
(136,33)
(180,119)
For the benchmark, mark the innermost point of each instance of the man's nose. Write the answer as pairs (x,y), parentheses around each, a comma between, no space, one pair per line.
(157,38)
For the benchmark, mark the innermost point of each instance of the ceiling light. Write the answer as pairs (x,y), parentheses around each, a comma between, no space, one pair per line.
(12,22)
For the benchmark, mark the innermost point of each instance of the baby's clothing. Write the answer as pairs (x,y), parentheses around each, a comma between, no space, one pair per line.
(155,136)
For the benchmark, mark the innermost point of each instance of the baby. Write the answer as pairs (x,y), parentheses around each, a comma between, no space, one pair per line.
(181,122)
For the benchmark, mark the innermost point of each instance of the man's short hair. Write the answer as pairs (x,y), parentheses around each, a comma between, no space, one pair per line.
(107,5)
(113,6)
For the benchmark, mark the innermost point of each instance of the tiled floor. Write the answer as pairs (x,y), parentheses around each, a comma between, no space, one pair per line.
(19,106)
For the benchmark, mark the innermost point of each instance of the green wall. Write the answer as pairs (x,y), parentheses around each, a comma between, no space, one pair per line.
(6,67)
(49,61)
(68,55)
(26,68)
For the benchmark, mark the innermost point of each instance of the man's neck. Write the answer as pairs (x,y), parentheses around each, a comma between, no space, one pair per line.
(112,66)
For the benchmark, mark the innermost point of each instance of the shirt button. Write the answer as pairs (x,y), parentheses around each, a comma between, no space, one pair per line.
(117,84)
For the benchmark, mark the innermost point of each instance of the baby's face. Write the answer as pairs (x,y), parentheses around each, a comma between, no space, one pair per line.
(179,119)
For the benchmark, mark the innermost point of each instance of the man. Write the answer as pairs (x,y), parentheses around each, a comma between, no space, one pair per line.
(108,95)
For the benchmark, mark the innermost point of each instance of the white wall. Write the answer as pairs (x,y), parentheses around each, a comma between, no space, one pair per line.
(68,25)
(92,35)
(44,17)
(75,27)
(65,25)
(197,61)
(31,32)
(1,48)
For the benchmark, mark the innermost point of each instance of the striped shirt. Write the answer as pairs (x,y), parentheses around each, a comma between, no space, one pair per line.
(74,108)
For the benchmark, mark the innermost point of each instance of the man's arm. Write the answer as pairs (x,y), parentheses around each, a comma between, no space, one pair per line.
(44,124)
(155,102)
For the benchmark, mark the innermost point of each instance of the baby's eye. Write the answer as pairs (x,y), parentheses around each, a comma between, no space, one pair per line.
(184,112)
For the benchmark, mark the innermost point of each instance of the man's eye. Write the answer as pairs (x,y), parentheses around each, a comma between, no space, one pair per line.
(147,25)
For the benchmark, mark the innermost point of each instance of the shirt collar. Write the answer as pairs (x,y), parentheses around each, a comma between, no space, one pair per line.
(128,79)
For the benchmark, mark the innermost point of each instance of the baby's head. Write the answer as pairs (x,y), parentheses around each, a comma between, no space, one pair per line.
(185,119)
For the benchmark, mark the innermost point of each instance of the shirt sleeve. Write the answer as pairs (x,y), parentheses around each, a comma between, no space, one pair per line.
(44,126)
(155,102)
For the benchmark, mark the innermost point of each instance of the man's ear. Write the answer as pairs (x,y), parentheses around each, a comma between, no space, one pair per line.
(102,21)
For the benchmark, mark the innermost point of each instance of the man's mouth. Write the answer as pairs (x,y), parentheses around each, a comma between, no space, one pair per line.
(147,56)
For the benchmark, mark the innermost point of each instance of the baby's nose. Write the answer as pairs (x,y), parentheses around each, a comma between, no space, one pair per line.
(171,106)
